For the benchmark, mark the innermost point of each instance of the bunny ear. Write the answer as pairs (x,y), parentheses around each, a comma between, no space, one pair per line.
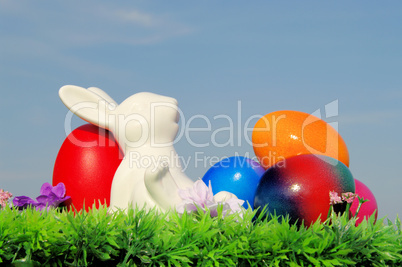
(102,94)
(86,104)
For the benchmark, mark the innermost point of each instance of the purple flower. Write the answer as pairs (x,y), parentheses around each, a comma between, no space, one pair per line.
(201,196)
(22,202)
(52,196)
(49,197)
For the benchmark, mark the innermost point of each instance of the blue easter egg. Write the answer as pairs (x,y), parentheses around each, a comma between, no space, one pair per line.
(237,175)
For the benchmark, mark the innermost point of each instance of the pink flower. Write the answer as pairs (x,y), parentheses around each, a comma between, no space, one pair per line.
(4,197)
(334,198)
(201,197)
(348,197)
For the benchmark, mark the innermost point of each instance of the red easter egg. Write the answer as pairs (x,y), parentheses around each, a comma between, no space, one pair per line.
(367,208)
(86,164)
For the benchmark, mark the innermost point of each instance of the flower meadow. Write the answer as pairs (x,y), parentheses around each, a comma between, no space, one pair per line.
(205,234)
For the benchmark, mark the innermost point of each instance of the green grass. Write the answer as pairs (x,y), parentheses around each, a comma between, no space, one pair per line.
(135,238)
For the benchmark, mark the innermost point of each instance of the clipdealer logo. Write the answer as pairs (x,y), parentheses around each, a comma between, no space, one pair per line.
(235,130)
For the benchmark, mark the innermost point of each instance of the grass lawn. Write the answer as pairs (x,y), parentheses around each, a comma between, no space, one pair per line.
(137,237)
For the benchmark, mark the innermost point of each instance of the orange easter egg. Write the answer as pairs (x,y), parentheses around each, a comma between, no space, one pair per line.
(286,133)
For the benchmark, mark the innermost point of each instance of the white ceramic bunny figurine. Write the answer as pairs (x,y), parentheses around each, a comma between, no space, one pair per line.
(145,126)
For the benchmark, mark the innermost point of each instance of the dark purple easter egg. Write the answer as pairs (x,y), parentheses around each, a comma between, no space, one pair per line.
(299,186)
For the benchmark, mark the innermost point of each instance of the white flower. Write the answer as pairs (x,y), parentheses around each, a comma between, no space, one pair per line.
(201,197)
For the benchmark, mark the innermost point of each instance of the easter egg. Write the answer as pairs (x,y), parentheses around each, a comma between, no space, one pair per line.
(282,134)
(367,208)
(86,163)
(237,175)
(299,186)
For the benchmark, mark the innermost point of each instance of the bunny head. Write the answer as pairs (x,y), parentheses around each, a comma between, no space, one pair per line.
(142,119)
(147,118)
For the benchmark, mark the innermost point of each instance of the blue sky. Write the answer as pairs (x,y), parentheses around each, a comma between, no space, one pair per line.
(270,55)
